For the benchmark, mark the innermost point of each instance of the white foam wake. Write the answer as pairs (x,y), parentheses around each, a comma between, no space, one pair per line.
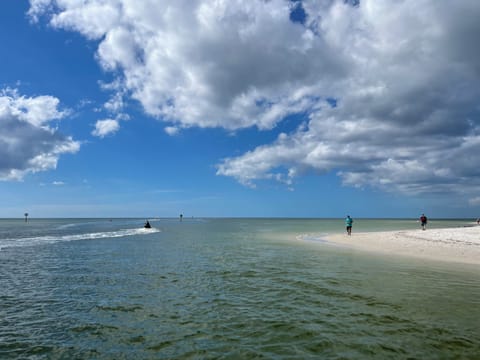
(41,240)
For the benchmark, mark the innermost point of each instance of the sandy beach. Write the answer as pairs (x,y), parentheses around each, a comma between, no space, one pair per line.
(461,244)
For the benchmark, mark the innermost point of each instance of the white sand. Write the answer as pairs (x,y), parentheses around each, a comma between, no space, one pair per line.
(460,244)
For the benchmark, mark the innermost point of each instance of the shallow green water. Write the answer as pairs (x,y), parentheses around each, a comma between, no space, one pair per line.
(226,289)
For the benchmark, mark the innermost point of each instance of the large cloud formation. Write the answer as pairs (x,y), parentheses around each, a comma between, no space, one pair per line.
(389,89)
(28,143)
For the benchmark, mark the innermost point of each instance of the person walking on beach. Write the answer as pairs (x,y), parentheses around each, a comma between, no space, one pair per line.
(348,224)
(423,221)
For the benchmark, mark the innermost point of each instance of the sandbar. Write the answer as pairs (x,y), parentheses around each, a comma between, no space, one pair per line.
(460,244)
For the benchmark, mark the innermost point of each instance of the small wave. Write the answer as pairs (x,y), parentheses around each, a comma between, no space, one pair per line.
(66,226)
(42,240)
(131,308)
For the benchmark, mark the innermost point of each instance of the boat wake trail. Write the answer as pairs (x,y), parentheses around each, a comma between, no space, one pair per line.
(50,239)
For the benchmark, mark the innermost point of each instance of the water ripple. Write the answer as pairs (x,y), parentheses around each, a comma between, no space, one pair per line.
(227,295)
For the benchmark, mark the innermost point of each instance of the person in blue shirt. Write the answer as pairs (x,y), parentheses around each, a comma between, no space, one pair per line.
(348,224)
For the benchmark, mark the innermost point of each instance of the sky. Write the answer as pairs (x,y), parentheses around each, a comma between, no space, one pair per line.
(216,108)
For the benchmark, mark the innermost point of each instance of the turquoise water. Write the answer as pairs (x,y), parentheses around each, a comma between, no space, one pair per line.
(226,289)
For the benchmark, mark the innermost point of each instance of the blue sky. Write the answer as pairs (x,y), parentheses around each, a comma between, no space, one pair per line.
(280,108)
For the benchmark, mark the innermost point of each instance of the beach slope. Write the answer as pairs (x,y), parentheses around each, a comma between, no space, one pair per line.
(460,244)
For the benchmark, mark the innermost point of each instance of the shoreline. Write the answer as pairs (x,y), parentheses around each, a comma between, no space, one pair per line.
(459,245)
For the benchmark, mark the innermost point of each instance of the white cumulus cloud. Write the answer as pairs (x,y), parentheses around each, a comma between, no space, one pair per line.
(172,130)
(231,64)
(105,127)
(389,89)
(28,142)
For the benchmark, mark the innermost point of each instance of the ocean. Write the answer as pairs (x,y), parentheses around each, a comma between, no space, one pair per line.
(226,289)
